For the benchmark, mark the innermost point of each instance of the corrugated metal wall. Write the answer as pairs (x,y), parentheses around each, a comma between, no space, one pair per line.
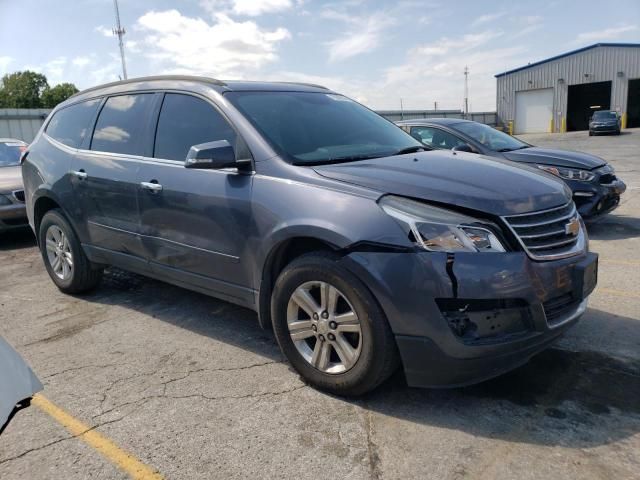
(21,123)
(598,64)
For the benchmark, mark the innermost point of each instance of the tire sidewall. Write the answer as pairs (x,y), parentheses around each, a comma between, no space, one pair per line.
(372,322)
(56,218)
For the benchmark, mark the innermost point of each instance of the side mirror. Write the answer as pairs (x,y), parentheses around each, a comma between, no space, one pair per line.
(211,155)
(463,148)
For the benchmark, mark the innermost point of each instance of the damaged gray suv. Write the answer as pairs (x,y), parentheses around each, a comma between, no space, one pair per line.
(360,248)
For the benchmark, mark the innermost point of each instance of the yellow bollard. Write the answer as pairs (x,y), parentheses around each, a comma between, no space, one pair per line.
(623,123)
(511,127)
(563,125)
(551,125)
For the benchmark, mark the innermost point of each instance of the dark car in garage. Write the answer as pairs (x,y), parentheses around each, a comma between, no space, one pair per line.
(604,121)
(595,186)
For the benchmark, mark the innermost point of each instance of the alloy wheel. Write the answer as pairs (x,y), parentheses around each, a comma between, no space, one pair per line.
(59,252)
(324,327)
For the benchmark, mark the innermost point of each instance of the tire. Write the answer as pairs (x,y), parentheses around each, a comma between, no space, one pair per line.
(377,354)
(80,275)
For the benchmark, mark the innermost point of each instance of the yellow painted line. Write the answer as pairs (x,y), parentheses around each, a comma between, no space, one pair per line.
(631,263)
(618,293)
(127,462)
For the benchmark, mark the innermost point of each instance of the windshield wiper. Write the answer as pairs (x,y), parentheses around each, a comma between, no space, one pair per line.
(513,149)
(412,149)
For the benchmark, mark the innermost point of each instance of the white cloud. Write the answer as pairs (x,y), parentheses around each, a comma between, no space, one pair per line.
(252,8)
(81,61)
(102,30)
(226,48)
(489,17)
(5,61)
(528,25)
(446,45)
(364,36)
(612,33)
(434,72)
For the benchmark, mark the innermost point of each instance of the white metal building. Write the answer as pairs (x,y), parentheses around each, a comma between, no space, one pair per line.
(561,93)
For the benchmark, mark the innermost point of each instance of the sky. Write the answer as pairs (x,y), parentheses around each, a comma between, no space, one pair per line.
(380,52)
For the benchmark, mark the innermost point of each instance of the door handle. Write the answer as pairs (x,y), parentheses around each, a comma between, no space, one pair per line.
(152,186)
(80,174)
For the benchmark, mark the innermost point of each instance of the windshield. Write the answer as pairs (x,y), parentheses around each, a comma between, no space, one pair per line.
(10,153)
(313,128)
(490,137)
(605,115)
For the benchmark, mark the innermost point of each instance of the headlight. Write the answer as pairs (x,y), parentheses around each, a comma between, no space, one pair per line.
(4,200)
(568,173)
(439,230)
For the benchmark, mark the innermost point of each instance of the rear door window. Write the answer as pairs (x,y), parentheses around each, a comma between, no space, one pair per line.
(70,125)
(122,123)
(186,121)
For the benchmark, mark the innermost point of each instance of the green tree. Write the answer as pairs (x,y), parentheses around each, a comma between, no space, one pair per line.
(53,96)
(22,89)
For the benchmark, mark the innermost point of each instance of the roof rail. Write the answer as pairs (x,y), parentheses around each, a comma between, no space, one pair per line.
(192,78)
(315,85)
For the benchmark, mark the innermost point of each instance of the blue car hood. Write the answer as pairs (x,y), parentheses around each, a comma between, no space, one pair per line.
(466,180)
(560,158)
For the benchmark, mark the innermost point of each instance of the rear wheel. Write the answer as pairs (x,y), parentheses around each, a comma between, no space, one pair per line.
(330,327)
(64,259)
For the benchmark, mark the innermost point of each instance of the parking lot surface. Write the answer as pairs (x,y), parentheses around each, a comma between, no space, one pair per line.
(191,387)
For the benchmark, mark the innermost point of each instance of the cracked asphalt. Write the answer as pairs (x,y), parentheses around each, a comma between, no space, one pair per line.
(192,387)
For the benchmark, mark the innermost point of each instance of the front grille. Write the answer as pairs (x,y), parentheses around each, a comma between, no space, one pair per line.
(549,234)
(19,195)
(558,307)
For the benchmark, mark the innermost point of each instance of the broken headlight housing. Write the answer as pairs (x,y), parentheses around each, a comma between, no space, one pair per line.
(568,173)
(440,230)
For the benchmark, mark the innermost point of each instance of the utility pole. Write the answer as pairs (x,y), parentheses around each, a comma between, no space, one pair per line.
(119,31)
(466,91)
(401,110)
(435,106)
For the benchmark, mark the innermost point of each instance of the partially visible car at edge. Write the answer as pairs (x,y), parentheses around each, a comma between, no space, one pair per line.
(595,186)
(604,121)
(13,213)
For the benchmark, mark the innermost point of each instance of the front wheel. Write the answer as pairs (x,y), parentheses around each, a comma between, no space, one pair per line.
(330,327)
(64,259)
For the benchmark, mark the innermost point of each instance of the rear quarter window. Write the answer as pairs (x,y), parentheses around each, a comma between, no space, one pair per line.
(70,125)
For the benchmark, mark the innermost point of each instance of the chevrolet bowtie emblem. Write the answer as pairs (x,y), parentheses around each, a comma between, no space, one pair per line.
(573,227)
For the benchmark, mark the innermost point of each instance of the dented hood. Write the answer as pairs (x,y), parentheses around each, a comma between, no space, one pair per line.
(17,381)
(466,180)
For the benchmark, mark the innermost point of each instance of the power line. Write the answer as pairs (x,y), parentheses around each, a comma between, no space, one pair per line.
(119,31)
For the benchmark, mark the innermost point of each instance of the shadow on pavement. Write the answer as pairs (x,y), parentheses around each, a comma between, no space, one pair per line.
(559,397)
(17,239)
(614,227)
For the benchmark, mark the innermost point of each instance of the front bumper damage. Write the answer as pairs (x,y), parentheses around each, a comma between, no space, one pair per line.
(18,383)
(461,319)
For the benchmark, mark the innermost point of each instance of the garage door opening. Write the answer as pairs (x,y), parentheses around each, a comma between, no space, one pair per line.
(633,104)
(534,110)
(583,100)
